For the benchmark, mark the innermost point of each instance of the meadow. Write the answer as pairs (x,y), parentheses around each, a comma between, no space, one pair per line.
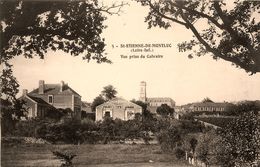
(99,155)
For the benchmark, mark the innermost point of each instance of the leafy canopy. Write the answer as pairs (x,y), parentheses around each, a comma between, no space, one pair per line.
(227,30)
(32,28)
(109,92)
(165,110)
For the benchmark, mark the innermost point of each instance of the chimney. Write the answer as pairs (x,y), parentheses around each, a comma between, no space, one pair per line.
(41,87)
(61,86)
(25,92)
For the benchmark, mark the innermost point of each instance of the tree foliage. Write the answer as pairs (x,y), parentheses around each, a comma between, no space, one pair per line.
(241,140)
(205,100)
(32,28)
(219,28)
(169,138)
(11,113)
(243,107)
(109,92)
(208,146)
(165,110)
(96,102)
(193,144)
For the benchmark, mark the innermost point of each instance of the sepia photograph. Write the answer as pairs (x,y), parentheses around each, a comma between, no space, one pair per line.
(130,83)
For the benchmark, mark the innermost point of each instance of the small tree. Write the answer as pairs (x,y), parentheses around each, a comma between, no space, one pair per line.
(107,129)
(193,144)
(108,92)
(205,100)
(96,102)
(169,138)
(11,113)
(207,147)
(165,110)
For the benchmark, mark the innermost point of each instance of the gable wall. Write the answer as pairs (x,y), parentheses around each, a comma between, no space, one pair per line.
(30,106)
(118,110)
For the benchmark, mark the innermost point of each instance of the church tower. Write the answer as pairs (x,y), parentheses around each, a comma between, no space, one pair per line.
(143,91)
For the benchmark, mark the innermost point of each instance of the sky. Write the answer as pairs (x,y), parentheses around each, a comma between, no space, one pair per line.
(175,75)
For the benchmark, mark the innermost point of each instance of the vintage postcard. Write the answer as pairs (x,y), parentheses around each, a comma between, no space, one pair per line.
(133,83)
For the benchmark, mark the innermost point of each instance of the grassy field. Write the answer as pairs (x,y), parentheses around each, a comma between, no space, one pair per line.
(116,155)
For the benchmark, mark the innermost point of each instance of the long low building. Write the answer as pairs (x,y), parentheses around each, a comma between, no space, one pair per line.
(209,106)
(117,108)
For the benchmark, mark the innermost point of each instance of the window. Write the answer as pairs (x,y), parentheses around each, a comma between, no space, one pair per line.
(129,114)
(50,98)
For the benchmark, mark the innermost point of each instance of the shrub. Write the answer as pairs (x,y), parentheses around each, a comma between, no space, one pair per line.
(179,153)
(25,128)
(169,138)
(65,157)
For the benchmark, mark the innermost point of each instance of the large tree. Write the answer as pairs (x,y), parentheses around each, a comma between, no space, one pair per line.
(228,30)
(32,28)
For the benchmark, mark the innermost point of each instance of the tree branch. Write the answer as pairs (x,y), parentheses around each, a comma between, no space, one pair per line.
(227,26)
(198,13)
(215,51)
(114,6)
(164,16)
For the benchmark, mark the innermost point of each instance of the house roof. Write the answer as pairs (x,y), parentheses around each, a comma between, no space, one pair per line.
(85,104)
(118,101)
(35,100)
(38,100)
(55,89)
(159,99)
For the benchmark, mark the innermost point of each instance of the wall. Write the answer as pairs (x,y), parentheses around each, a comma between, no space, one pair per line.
(59,101)
(117,110)
(30,105)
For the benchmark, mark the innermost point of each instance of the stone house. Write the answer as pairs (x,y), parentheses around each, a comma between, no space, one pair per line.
(117,108)
(59,96)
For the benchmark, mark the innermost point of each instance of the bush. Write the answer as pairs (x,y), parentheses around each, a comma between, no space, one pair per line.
(169,138)
(25,128)
(188,126)
(70,131)
(90,131)
(65,157)
(179,153)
